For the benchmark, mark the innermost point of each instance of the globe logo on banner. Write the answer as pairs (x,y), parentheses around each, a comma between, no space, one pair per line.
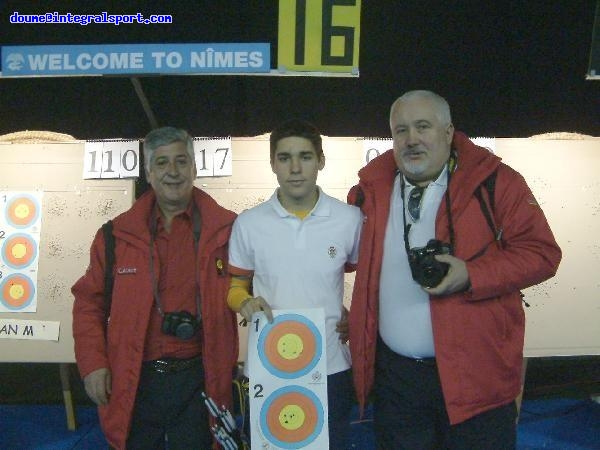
(15,61)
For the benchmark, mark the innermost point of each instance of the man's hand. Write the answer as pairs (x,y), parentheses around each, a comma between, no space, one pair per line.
(456,280)
(255,304)
(98,385)
(342,327)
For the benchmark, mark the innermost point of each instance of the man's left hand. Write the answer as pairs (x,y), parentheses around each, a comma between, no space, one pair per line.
(456,280)
(342,327)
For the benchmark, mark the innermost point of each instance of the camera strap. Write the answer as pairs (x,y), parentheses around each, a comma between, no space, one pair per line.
(407,226)
(196,227)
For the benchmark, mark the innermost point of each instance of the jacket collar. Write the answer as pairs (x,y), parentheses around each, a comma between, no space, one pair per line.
(474,164)
(132,225)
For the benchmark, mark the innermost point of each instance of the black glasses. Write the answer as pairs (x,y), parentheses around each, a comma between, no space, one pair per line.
(414,202)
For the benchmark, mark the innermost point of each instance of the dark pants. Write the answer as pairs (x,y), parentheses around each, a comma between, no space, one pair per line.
(169,411)
(340,398)
(409,411)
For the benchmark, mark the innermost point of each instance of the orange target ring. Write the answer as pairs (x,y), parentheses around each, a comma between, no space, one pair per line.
(19,251)
(292,415)
(22,211)
(290,346)
(17,291)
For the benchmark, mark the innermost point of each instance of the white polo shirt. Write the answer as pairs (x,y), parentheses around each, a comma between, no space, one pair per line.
(404,315)
(300,263)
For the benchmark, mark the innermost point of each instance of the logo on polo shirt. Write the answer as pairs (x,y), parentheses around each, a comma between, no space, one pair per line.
(332,252)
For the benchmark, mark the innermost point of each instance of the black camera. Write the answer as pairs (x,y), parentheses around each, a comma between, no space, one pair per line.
(426,270)
(181,324)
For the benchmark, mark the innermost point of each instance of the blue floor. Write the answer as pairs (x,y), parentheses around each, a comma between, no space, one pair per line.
(555,424)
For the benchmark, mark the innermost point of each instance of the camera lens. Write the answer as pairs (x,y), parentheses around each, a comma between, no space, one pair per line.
(185,331)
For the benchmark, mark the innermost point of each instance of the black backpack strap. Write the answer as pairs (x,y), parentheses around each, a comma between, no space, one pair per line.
(360,197)
(109,262)
(490,185)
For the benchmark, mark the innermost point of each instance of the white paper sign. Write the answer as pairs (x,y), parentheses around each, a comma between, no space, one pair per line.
(489,143)
(287,365)
(29,329)
(111,159)
(213,157)
(372,148)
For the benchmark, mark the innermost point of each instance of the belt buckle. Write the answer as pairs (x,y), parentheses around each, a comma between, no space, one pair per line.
(161,366)
(425,361)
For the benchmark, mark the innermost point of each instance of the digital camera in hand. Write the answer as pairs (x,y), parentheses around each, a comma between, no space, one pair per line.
(181,324)
(426,270)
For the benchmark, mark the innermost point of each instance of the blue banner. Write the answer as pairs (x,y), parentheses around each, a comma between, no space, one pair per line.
(125,59)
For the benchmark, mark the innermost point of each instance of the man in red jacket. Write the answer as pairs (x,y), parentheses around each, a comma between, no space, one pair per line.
(436,325)
(170,336)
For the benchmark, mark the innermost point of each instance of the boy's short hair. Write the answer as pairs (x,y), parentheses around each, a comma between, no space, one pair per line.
(297,128)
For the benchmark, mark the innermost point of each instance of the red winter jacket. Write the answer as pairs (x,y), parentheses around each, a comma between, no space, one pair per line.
(132,303)
(478,335)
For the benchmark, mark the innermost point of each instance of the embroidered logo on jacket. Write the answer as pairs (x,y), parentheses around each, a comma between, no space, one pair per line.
(332,252)
(126,270)
(219,265)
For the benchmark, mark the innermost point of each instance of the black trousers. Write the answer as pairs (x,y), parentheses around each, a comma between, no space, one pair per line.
(409,411)
(340,399)
(169,411)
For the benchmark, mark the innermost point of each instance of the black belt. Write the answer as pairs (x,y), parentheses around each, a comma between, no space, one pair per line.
(424,361)
(165,365)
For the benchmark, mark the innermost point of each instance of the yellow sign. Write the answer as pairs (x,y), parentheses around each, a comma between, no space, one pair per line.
(319,36)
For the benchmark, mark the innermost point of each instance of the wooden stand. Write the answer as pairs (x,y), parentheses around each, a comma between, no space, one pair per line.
(65,381)
(519,398)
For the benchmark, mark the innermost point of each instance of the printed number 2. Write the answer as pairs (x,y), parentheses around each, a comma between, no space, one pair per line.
(258,389)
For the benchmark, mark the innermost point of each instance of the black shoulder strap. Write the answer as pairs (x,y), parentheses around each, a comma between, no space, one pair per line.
(109,262)
(490,185)
(360,197)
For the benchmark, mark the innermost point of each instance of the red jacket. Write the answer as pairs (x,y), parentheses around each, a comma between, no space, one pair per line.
(478,335)
(132,303)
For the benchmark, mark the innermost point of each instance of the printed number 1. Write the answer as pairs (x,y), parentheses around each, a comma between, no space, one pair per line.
(109,161)
(256,323)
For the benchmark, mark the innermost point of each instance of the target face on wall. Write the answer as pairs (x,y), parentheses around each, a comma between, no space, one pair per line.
(19,250)
(17,291)
(20,229)
(288,380)
(22,211)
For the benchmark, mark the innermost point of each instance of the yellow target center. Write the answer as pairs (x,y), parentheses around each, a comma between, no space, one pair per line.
(19,250)
(22,211)
(290,346)
(291,417)
(16,291)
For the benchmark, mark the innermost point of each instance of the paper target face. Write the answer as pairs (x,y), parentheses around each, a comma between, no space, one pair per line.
(17,292)
(22,211)
(20,230)
(292,417)
(287,365)
(290,347)
(19,251)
